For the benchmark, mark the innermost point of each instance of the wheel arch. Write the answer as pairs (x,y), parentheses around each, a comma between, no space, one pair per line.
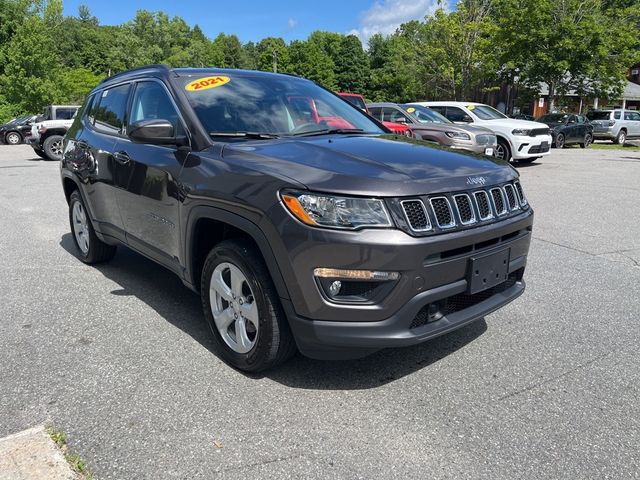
(207,226)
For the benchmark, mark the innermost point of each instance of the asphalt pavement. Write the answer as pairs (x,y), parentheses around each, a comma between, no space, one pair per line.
(118,357)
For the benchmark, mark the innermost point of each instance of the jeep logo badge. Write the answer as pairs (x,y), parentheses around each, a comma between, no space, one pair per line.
(474,181)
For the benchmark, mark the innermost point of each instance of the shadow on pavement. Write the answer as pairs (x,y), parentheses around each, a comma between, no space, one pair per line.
(164,292)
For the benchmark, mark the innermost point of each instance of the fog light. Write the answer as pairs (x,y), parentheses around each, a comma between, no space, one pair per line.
(335,287)
(370,275)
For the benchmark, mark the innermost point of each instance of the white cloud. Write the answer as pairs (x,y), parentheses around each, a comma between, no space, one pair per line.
(292,23)
(385,16)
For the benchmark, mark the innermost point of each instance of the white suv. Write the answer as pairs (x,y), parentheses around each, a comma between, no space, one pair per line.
(520,140)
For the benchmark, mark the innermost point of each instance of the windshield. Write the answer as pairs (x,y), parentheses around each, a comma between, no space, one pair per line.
(485,112)
(269,104)
(354,100)
(595,115)
(554,118)
(425,115)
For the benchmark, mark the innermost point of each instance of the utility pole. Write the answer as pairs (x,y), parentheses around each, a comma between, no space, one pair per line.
(275,61)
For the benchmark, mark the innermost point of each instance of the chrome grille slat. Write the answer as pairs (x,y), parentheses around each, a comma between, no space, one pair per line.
(416,215)
(465,210)
(442,212)
(484,206)
(512,198)
(521,197)
(498,201)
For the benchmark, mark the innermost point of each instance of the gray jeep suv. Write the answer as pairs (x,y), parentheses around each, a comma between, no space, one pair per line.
(320,233)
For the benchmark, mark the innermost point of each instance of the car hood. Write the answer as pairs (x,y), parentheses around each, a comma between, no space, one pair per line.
(514,123)
(385,165)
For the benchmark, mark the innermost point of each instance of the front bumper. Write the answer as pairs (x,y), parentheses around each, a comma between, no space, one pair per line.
(527,147)
(348,340)
(431,269)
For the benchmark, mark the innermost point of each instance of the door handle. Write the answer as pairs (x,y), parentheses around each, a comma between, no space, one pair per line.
(82,144)
(122,157)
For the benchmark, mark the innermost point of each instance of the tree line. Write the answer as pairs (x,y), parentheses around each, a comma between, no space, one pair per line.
(464,54)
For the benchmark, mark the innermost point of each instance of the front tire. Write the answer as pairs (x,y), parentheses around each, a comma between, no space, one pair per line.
(621,138)
(13,138)
(90,248)
(242,308)
(503,151)
(53,147)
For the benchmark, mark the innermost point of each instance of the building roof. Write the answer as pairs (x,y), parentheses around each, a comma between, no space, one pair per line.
(631,91)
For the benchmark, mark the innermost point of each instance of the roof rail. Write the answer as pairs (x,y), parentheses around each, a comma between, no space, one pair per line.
(127,72)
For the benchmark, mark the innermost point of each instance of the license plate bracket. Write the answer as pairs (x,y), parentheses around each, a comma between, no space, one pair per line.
(489,270)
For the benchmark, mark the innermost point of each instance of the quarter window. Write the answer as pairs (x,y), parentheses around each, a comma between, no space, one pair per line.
(109,109)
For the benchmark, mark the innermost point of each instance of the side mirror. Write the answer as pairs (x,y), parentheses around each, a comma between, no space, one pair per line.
(401,120)
(155,132)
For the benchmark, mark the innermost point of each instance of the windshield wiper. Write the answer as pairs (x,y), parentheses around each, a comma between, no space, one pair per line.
(328,131)
(258,135)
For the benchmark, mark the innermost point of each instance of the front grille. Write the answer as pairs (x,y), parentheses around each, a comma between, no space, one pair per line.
(498,201)
(465,209)
(416,215)
(456,303)
(486,139)
(442,211)
(484,209)
(543,148)
(427,215)
(540,131)
(521,197)
(512,199)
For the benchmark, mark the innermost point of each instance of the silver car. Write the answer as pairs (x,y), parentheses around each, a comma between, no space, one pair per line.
(431,126)
(613,125)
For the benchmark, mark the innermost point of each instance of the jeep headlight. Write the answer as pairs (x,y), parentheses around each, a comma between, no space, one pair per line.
(521,132)
(322,210)
(458,135)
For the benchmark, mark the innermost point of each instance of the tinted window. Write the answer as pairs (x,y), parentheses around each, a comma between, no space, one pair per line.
(616,115)
(440,110)
(598,115)
(554,118)
(274,104)
(151,102)
(355,100)
(376,112)
(65,113)
(631,116)
(581,119)
(109,108)
(456,114)
(394,115)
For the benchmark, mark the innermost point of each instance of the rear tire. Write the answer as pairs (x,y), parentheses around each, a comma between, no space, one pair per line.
(41,154)
(503,151)
(13,138)
(90,248)
(560,140)
(621,138)
(53,147)
(242,308)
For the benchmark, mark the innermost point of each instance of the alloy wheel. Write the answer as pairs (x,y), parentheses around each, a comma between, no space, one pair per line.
(234,308)
(56,148)
(13,138)
(560,141)
(81,227)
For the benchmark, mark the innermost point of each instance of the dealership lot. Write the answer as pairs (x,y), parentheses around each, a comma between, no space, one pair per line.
(119,358)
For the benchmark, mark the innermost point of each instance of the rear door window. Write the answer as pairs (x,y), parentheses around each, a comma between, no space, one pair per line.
(109,109)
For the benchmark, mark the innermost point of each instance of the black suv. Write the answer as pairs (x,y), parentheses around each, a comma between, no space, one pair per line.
(299,219)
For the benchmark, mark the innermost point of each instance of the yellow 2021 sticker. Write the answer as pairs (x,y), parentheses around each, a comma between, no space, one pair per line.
(206,83)
(411,109)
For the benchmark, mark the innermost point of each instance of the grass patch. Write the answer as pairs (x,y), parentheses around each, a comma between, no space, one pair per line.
(612,146)
(74,461)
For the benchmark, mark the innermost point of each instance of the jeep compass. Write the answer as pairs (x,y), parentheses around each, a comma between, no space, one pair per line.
(324,234)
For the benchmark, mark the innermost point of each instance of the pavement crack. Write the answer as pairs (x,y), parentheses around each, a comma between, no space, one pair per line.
(554,378)
(596,255)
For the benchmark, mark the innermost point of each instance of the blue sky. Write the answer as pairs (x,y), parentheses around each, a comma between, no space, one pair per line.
(254,20)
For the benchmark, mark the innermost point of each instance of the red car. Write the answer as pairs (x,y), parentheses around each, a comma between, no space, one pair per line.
(358,100)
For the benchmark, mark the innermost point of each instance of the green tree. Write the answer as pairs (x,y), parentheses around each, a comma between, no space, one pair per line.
(352,65)
(308,60)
